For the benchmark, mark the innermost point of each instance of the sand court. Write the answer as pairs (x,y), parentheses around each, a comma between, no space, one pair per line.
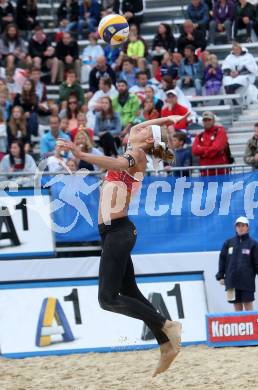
(197,367)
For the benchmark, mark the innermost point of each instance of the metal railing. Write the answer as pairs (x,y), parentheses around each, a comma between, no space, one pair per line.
(25,179)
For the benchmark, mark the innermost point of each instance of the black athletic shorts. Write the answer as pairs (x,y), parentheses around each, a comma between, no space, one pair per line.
(243,296)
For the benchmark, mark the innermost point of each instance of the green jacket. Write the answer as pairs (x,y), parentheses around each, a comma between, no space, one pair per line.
(250,151)
(129,110)
(65,91)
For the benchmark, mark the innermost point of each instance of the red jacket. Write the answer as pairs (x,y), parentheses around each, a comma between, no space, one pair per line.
(210,146)
(176,110)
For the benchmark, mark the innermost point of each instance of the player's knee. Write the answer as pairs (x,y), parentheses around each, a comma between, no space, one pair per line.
(106,300)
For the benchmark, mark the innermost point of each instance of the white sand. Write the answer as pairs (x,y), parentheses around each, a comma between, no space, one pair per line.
(198,368)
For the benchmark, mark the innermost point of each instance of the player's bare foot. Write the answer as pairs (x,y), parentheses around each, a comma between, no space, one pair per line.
(167,355)
(173,330)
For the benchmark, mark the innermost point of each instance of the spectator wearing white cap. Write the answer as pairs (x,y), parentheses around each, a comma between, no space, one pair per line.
(172,107)
(238,266)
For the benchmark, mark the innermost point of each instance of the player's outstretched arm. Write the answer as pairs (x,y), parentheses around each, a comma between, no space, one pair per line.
(161,121)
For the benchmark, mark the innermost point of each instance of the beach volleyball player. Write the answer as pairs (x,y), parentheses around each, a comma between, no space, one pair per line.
(118,291)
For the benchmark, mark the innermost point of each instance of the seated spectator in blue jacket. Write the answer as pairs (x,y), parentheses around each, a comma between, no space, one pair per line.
(191,71)
(198,13)
(238,266)
(107,127)
(48,140)
(183,155)
(129,72)
(223,17)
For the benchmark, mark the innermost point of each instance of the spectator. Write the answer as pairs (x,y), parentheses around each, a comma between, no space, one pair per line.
(183,155)
(135,29)
(139,88)
(150,94)
(3,136)
(89,57)
(191,36)
(112,54)
(198,13)
(64,125)
(72,164)
(17,128)
(90,12)
(68,15)
(29,103)
(18,161)
(82,125)
(149,111)
(5,105)
(83,141)
(251,150)
(132,10)
(67,53)
(106,88)
(41,92)
(223,17)
(211,146)
(108,127)
(238,266)
(26,14)
(101,69)
(71,87)
(240,70)
(245,16)
(172,107)
(48,140)
(135,48)
(71,112)
(212,75)
(41,53)
(129,72)
(191,71)
(12,48)
(7,13)
(126,104)
(55,163)
(163,41)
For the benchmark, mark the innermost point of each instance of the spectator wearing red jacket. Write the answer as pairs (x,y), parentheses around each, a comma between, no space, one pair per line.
(172,107)
(211,146)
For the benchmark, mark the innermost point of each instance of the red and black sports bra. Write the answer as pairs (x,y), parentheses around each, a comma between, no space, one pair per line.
(132,184)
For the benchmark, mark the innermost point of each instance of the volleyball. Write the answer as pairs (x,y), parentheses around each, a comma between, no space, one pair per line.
(113,29)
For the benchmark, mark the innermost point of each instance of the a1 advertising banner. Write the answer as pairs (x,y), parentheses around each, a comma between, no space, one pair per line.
(232,329)
(25,224)
(44,318)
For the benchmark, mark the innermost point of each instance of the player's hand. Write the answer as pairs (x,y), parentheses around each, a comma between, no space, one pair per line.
(222,282)
(177,118)
(68,146)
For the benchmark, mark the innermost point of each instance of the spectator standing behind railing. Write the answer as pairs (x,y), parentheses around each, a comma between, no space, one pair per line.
(211,146)
(223,17)
(183,153)
(251,150)
(7,14)
(238,266)
(18,161)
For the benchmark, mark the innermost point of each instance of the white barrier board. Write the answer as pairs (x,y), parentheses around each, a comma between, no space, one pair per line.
(24,231)
(44,318)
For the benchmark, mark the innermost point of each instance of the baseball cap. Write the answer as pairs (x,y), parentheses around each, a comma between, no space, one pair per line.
(172,91)
(208,115)
(242,220)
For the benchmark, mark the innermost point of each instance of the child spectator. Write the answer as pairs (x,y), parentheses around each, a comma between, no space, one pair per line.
(3,136)
(212,76)
(135,47)
(17,128)
(183,155)
(107,127)
(72,164)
